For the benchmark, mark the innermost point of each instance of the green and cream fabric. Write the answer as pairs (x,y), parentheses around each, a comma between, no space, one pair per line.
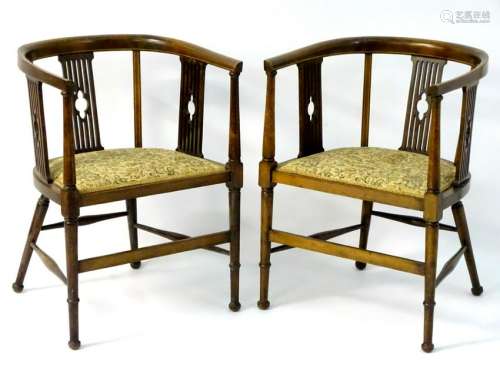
(382,169)
(111,169)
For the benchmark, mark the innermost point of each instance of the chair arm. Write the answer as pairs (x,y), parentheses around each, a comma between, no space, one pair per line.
(465,80)
(36,73)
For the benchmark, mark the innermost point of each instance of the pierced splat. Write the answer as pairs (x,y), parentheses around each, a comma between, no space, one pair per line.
(78,68)
(310,113)
(462,157)
(425,73)
(191,107)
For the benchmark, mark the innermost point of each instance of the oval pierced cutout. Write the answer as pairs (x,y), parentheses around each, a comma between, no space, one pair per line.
(310,108)
(191,108)
(81,104)
(422,106)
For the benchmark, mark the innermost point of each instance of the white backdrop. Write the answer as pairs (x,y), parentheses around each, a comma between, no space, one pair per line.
(171,315)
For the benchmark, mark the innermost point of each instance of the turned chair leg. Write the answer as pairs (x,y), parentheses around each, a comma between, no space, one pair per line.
(431,248)
(463,233)
(132,230)
(71,236)
(366,215)
(36,225)
(234,247)
(265,245)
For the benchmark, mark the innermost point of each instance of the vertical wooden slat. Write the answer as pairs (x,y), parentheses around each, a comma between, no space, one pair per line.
(90,129)
(190,135)
(409,102)
(93,102)
(419,132)
(365,117)
(70,76)
(38,128)
(76,115)
(433,180)
(78,68)
(310,127)
(462,155)
(234,152)
(86,132)
(137,98)
(425,73)
(268,143)
(69,177)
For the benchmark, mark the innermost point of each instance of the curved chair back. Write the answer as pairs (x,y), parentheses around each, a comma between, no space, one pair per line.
(429,58)
(77,85)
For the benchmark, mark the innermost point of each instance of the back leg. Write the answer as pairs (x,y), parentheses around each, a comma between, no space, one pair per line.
(36,225)
(463,233)
(366,214)
(132,230)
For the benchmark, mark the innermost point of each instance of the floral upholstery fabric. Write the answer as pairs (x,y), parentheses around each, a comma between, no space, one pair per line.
(110,169)
(393,171)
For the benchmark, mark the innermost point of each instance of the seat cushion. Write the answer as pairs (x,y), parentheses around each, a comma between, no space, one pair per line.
(382,169)
(118,168)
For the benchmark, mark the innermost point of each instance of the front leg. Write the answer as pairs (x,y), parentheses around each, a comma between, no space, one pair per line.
(431,247)
(71,235)
(265,246)
(234,251)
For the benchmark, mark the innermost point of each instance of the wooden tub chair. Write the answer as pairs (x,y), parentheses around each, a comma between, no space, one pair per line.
(413,176)
(88,174)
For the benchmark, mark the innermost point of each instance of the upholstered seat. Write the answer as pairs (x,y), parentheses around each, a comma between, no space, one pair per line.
(388,170)
(111,169)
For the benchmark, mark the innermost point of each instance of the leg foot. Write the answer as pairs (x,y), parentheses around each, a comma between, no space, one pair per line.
(234,306)
(135,265)
(18,288)
(427,347)
(263,305)
(477,291)
(74,344)
(360,265)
